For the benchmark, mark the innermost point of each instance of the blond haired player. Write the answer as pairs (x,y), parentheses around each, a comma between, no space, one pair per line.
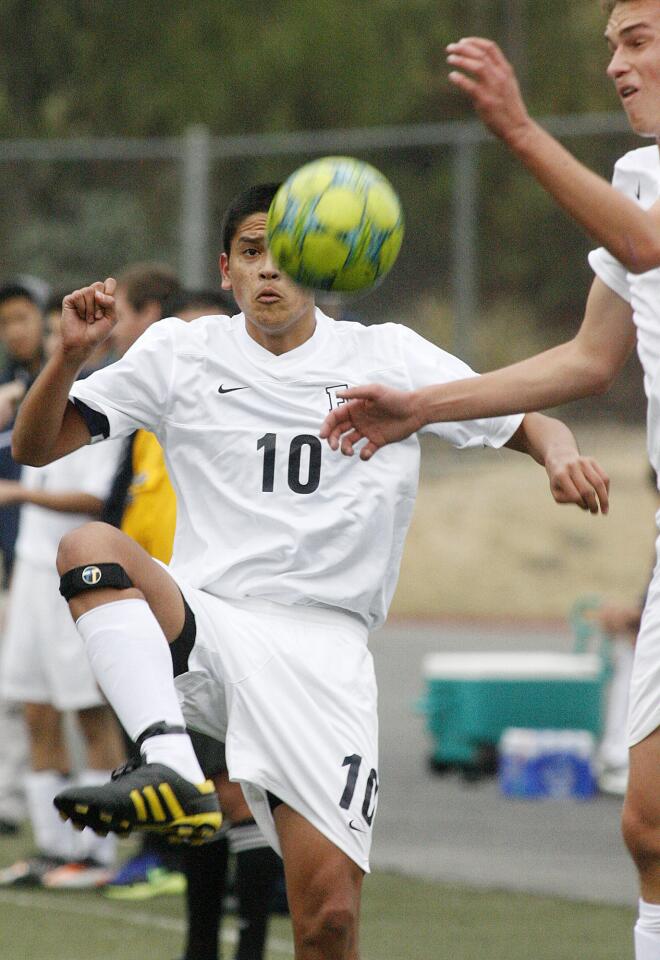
(623,309)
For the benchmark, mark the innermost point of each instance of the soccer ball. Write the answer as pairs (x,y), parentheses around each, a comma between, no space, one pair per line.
(335,224)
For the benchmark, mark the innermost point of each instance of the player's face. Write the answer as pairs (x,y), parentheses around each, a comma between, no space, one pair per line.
(633,33)
(278,314)
(21,329)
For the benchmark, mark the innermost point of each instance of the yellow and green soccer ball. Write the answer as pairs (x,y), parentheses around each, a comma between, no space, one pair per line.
(335,224)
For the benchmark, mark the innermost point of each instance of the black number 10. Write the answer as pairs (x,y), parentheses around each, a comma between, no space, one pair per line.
(268,444)
(353,763)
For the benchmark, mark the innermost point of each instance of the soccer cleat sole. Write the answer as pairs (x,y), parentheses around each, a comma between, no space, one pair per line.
(195,828)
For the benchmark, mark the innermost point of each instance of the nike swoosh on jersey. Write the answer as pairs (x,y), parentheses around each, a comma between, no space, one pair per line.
(638,191)
(357,829)
(223,389)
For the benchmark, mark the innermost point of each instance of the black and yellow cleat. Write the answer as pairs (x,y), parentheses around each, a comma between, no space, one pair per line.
(147,797)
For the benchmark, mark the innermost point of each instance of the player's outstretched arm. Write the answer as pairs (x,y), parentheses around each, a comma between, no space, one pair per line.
(583,366)
(48,426)
(483,73)
(573,477)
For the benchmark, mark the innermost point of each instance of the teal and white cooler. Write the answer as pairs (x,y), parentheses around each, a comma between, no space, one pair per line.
(472,698)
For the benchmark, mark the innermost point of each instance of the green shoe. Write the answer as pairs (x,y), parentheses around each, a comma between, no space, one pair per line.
(160,882)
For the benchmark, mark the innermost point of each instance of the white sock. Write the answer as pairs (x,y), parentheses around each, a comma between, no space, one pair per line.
(88,845)
(647,932)
(130,659)
(51,835)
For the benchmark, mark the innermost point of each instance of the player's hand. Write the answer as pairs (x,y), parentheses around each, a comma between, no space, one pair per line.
(487,77)
(580,480)
(373,412)
(88,316)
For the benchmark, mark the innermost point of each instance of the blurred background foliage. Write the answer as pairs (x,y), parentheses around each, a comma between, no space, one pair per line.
(95,68)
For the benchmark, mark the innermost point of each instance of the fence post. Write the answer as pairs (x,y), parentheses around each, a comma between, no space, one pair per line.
(195,201)
(464,233)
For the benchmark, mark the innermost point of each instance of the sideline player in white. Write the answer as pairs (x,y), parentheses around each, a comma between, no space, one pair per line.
(43,665)
(285,554)
(623,306)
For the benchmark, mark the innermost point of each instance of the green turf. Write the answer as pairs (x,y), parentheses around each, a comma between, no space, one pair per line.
(403,919)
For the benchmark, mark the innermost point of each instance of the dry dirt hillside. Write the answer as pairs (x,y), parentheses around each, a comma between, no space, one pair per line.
(488,540)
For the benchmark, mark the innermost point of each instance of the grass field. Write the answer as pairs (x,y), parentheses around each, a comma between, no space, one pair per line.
(403,919)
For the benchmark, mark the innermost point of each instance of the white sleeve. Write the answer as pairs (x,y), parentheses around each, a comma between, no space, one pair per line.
(134,392)
(427,365)
(613,274)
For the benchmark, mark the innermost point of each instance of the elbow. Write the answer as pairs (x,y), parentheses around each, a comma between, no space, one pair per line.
(643,257)
(600,381)
(21,454)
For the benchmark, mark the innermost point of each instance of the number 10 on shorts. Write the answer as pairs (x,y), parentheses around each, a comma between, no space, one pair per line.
(354,762)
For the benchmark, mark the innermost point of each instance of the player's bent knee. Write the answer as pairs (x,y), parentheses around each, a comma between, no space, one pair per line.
(90,539)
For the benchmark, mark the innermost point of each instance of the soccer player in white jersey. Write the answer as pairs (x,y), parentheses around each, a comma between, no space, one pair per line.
(285,553)
(623,307)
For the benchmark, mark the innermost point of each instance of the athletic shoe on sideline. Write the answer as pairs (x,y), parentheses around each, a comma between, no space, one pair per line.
(135,869)
(159,882)
(147,797)
(29,872)
(81,875)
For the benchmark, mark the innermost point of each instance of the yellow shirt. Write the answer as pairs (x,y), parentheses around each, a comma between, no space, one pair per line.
(150,514)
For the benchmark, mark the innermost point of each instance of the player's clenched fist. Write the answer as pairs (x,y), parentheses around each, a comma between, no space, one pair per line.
(88,316)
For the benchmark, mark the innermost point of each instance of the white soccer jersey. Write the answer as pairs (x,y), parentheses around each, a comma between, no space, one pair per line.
(88,470)
(637,175)
(264,508)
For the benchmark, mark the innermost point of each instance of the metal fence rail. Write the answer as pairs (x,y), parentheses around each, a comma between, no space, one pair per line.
(197,150)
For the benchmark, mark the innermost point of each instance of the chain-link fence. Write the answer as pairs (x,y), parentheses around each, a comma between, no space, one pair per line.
(490,267)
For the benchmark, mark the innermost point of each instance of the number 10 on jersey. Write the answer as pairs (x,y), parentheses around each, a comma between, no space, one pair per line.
(305,443)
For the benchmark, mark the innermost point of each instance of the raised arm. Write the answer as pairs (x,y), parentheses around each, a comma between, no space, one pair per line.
(631,234)
(578,368)
(48,426)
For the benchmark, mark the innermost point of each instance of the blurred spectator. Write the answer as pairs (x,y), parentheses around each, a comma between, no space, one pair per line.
(621,625)
(21,340)
(44,667)
(21,335)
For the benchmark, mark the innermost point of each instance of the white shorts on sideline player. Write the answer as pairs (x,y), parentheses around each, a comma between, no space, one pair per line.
(292,692)
(43,657)
(644,703)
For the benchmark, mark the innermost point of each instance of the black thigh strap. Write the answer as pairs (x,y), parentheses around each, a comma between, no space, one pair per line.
(95,576)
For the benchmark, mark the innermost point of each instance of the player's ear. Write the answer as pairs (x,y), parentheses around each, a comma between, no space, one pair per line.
(223,264)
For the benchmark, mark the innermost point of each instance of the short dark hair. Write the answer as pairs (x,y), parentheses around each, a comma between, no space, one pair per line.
(146,282)
(10,291)
(187,299)
(256,199)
